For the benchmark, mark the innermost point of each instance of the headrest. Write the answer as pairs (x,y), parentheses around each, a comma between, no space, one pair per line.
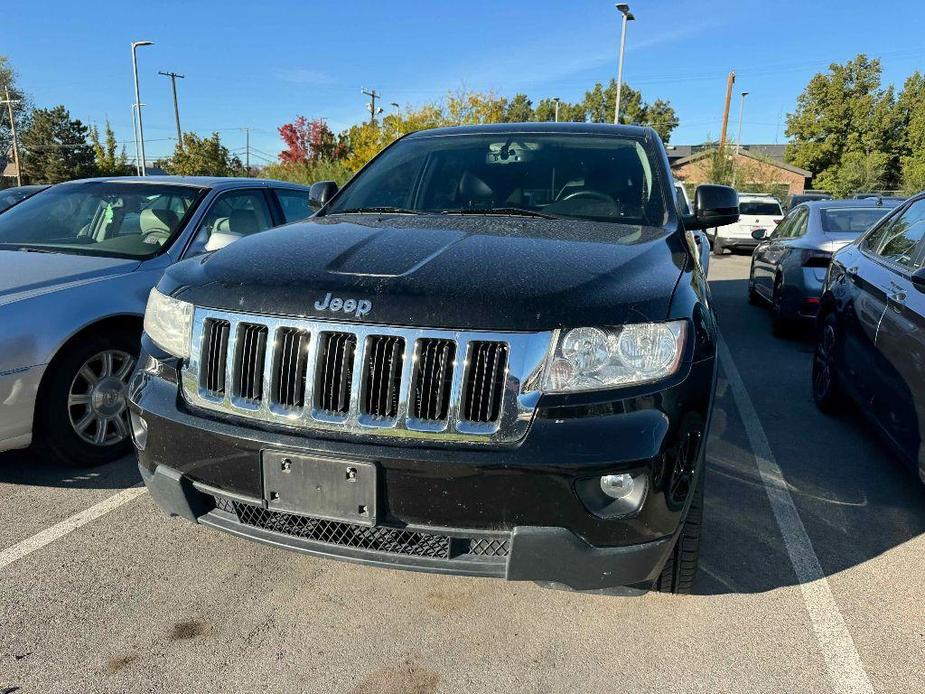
(164,221)
(472,187)
(243,222)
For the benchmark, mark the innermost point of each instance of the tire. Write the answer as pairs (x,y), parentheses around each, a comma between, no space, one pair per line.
(680,570)
(70,397)
(827,391)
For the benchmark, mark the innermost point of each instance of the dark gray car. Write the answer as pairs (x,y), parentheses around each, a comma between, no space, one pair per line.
(77,263)
(789,265)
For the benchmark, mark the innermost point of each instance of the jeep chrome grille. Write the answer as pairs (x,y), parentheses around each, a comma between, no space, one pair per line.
(290,367)
(366,379)
(334,376)
(381,384)
(433,378)
(485,382)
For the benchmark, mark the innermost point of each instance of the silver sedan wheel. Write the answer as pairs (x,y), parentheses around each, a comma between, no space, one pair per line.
(97,401)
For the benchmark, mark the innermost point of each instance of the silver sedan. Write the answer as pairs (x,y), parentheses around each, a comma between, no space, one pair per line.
(789,264)
(77,262)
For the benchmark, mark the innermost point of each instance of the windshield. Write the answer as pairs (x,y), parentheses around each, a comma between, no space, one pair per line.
(851,221)
(133,220)
(600,178)
(11,196)
(759,207)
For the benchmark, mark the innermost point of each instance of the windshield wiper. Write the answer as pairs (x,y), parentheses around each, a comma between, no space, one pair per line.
(27,249)
(374,210)
(507,211)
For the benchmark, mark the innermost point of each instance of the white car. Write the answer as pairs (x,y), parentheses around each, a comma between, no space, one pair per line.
(756,211)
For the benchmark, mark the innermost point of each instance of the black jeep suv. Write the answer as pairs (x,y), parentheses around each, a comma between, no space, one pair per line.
(491,353)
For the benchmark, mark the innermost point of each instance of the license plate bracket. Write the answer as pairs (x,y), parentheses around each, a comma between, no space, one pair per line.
(328,488)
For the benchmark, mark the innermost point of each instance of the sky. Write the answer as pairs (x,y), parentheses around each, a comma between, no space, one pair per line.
(259,65)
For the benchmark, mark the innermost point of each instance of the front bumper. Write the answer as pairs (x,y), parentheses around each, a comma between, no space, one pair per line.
(543,554)
(506,512)
(18,392)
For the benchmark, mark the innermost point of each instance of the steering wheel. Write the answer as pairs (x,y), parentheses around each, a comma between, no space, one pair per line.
(155,238)
(590,194)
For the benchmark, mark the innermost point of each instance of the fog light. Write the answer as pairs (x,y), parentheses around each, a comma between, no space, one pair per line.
(617,486)
(139,431)
(615,495)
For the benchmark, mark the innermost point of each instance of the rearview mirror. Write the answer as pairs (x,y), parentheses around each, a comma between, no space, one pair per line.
(320,193)
(714,206)
(759,234)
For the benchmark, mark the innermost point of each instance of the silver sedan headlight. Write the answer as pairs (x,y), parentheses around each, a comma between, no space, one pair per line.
(610,357)
(169,323)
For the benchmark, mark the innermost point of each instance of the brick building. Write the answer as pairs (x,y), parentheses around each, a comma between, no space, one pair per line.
(754,168)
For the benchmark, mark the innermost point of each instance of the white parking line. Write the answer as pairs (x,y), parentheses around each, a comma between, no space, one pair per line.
(59,530)
(841,656)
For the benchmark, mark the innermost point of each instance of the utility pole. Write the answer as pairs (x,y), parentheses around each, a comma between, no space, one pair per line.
(9,109)
(556,99)
(373,95)
(176,109)
(729,82)
(735,161)
(247,151)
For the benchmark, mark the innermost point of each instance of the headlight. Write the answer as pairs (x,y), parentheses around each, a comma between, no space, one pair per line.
(600,358)
(168,322)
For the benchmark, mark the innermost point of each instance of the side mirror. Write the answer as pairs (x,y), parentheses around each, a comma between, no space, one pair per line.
(918,279)
(714,206)
(760,234)
(320,193)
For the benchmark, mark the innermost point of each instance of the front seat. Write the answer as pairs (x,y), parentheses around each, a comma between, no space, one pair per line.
(157,225)
(243,222)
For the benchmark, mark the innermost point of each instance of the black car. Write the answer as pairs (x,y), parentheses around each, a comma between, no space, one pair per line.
(871,346)
(492,353)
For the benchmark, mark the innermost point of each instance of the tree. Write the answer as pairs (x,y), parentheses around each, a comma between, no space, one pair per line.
(844,117)
(600,102)
(203,156)
(21,110)
(308,140)
(911,113)
(54,147)
(519,109)
(108,163)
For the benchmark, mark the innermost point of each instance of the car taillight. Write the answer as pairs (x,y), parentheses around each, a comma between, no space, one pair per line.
(813,258)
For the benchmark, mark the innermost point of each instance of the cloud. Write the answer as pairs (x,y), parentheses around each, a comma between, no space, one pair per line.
(304,76)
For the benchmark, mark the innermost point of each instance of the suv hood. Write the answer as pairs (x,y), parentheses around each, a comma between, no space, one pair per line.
(24,274)
(443,272)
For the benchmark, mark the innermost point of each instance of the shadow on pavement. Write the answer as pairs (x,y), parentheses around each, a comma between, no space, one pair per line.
(855,499)
(27,467)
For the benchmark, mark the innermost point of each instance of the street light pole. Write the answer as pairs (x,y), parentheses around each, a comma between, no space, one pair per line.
(556,99)
(135,138)
(741,113)
(627,17)
(140,138)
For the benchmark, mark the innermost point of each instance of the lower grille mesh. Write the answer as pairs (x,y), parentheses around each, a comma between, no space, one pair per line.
(379,539)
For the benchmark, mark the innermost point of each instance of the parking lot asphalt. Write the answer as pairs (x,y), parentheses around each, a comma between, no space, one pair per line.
(810,577)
